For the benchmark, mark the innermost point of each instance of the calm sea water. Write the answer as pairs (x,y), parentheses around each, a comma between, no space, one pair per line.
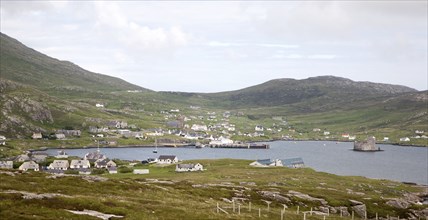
(407,164)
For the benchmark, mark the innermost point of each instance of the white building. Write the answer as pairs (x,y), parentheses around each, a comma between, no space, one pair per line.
(259,128)
(167,159)
(29,165)
(80,164)
(59,165)
(99,105)
(189,167)
(197,127)
(405,139)
(221,141)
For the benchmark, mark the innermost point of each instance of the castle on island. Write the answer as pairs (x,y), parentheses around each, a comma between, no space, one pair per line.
(367,145)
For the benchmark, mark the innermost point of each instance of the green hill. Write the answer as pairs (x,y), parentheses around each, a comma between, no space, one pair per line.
(40,93)
(24,65)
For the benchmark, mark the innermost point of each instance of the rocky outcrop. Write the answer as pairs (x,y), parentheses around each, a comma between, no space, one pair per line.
(274,196)
(300,195)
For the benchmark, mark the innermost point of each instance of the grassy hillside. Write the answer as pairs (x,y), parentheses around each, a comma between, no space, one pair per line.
(21,64)
(164,194)
(40,93)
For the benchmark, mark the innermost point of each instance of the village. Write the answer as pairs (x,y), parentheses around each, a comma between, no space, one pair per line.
(97,163)
(193,126)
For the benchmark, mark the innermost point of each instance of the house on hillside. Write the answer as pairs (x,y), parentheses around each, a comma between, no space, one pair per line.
(259,128)
(69,133)
(167,159)
(404,139)
(37,135)
(197,127)
(80,164)
(29,165)
(267,163)
(104,163)
(22,158)
(6,164)
(59,165)
(189,167)
(117,124)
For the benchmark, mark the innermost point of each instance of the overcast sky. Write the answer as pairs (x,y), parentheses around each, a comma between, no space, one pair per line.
(219,45)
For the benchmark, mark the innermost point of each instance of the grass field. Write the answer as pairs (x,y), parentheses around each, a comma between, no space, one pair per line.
(165,194)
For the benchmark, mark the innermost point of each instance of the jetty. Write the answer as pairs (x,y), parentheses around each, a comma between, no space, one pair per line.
(241,145)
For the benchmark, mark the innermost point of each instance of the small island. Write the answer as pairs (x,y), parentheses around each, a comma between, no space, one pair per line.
(368,145)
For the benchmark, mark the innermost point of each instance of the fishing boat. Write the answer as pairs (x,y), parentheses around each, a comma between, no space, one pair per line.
(155,151)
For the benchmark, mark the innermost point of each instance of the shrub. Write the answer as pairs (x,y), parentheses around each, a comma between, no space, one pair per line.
(125,170)
(98,171)
(71,172)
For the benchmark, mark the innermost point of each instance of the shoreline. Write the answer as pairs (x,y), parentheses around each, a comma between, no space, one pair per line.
(192,144)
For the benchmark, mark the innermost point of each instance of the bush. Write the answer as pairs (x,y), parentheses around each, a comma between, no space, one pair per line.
(98,171)
(71,172)
(125,170)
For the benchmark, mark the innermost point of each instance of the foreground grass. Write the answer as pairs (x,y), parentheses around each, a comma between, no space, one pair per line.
(194,195)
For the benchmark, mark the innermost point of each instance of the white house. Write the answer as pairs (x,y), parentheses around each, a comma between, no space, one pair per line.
(59,165)
(326,132)
(197,127)
(98,105)
(104,163)
(267,163)
(405,139)
(6,164)
(385,138)
(259,128)
(189,167)
(80,164)
(29,165)
(167,159)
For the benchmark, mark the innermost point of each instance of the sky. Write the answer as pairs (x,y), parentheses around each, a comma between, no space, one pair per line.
(212,46)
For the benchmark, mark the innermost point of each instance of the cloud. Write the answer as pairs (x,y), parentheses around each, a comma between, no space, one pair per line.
(135,36)
(322,56)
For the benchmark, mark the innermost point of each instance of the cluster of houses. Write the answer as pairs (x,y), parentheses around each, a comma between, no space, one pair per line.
(172,159)
(290,163)
(83,166)
(30,161)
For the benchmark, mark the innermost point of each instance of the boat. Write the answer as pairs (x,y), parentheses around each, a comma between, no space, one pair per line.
(155,151)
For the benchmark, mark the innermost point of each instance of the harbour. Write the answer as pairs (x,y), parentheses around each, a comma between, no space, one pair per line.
(404,164)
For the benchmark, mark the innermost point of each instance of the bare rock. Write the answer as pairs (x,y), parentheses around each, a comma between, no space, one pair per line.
(343,210)
(360,210)
(306,197)
(355,202)
(398,203)
(274,196)
(95,214)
